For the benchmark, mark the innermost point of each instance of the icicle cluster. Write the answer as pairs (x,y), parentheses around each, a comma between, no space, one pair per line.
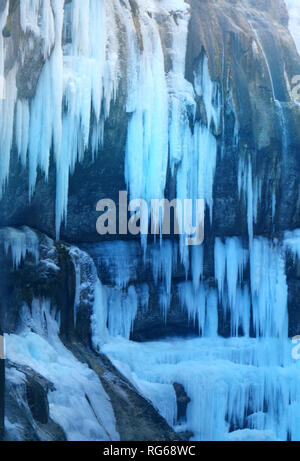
(76,86)
(240,389)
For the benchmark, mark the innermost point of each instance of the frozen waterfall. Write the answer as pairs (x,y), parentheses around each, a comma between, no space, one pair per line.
(243,384)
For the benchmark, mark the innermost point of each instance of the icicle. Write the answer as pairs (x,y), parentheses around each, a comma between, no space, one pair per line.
(194,303)
(292,242)
(8,96)
(77,393)
(195,175)
(181,92)
(211,327)
(240,315)
(230,260)
(87,288)
(100,315)
(245,392)
(250,190)
(22,130)
(7,122)
(236,260)
(294,21)
(220,265)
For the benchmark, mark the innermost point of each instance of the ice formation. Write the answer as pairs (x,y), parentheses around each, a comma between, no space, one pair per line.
(80,78)
(249,382)
(239,388)
(79,403)
(77,83)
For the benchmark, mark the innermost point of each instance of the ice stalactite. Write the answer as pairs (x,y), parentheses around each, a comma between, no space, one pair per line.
(251,303)
(120,297)
(36,16)
(89,291)
(45,128)
(249,187)
(230,261)
(196,167)
(247,182)
(22,130)
(197,265)
(195,303)
(249,382)
(162,259)
(161,105)
(267,294)
(248,386)
(90,72)
(122,310)
(7,125)
(239,388)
